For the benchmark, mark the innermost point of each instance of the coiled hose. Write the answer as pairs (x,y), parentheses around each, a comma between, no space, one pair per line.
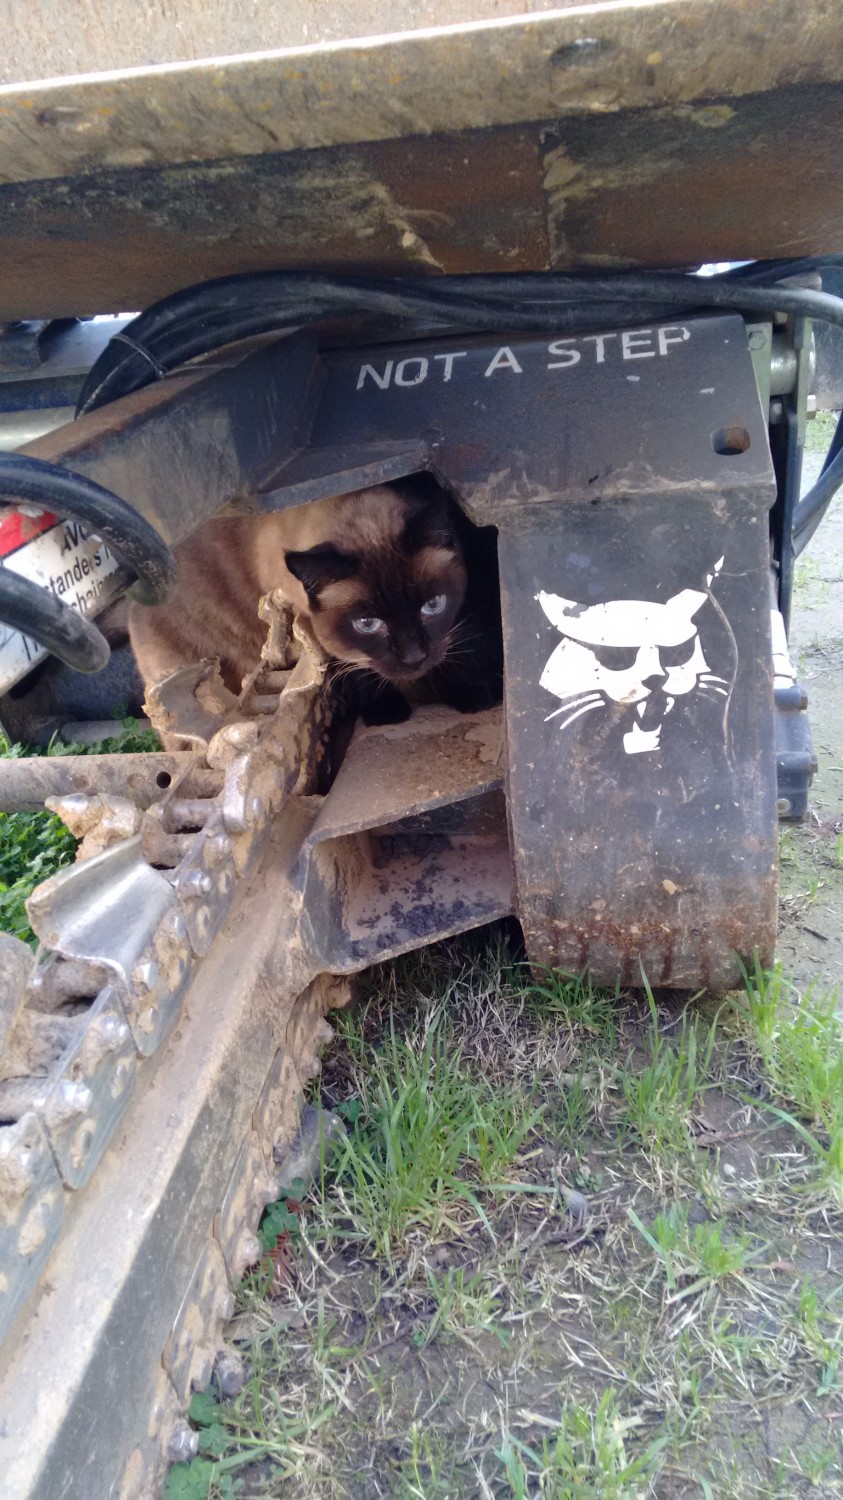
(35,611)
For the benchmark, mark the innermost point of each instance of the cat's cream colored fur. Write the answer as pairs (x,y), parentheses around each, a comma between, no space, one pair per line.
(229,563)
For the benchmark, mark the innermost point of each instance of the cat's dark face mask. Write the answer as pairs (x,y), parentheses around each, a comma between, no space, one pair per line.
(392,611)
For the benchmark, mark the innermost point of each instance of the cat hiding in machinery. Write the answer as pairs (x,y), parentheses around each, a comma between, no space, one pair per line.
(398,588)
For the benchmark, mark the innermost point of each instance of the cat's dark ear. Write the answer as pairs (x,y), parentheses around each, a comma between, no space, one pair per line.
(430,513)
(318,566)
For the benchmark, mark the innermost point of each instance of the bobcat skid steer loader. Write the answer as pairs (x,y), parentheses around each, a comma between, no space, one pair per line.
(571,263)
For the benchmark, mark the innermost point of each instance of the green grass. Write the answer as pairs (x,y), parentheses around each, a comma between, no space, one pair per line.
(819,432)
(444,1328)
(36,845)
(427,1138)
(800,1043)
(661,1094)
(694,1257)
(584,1457)
(588,1007)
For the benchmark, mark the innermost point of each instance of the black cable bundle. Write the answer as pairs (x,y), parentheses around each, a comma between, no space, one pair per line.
(200,319)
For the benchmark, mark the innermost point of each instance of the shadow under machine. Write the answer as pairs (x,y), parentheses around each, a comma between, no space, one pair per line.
(635,439)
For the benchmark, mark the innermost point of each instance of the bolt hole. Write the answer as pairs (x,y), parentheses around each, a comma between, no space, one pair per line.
(730,441)
(163,779)
(586,49)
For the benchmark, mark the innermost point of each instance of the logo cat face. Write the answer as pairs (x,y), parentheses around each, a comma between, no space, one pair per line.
(634,652)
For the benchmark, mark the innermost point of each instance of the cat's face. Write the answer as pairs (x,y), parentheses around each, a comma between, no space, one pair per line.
(633,652)
(389,609)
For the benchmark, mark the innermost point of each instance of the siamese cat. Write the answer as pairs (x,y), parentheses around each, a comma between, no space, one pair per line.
(382,577)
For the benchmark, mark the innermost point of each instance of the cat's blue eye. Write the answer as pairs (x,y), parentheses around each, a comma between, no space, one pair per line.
(435,605)
(368,625)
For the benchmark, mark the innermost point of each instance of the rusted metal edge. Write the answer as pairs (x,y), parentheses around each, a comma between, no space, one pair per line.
(593,59)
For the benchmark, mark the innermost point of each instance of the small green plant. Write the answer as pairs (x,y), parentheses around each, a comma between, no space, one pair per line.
(279,1217)
(211,1471)
(466,1304)
(254,1426)
(578,999)
(660,1096)
(694,1258)
(428,1137)
(800,1041)
(572,1113)
(426,1471)
(585,1458)
(33,846)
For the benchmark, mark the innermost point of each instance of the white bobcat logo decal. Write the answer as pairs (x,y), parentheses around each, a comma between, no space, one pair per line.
(634,652)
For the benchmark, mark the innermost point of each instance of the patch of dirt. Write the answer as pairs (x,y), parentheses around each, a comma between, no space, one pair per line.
(811,936)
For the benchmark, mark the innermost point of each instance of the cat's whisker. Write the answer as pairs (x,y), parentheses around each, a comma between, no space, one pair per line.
(712,677)
(574,701)
(586,708)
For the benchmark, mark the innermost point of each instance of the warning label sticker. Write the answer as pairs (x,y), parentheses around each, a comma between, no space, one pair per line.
(61,556)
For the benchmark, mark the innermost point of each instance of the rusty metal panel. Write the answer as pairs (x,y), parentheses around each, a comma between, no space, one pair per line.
(642,780)
(593,59)
(643,815)
(610,134)
(51,37)
(752,178)
(411,843)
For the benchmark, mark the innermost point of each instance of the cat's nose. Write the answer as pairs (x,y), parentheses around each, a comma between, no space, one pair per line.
(412,654)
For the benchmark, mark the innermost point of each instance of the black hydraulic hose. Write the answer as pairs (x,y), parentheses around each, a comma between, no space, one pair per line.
(813,506)
(199,319)
(131,538)
(35,612)
(38,613)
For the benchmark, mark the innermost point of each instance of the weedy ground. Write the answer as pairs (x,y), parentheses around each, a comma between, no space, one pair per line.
(574,1243)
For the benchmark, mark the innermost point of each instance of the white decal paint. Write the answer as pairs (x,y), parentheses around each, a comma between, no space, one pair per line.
(411,371)
(427,367)
(71,564)
(567,354)
(638,345)
(678,334)
(635,652)
(504,360)
(378,377)
(447,361)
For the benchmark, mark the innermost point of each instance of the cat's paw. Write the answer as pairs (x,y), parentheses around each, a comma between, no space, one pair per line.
(385,707)
(470,697)
(474,702)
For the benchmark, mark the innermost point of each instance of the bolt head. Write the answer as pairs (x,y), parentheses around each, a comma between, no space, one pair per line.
(111,1032)
(73,1098)
(219,847)
(145,974)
